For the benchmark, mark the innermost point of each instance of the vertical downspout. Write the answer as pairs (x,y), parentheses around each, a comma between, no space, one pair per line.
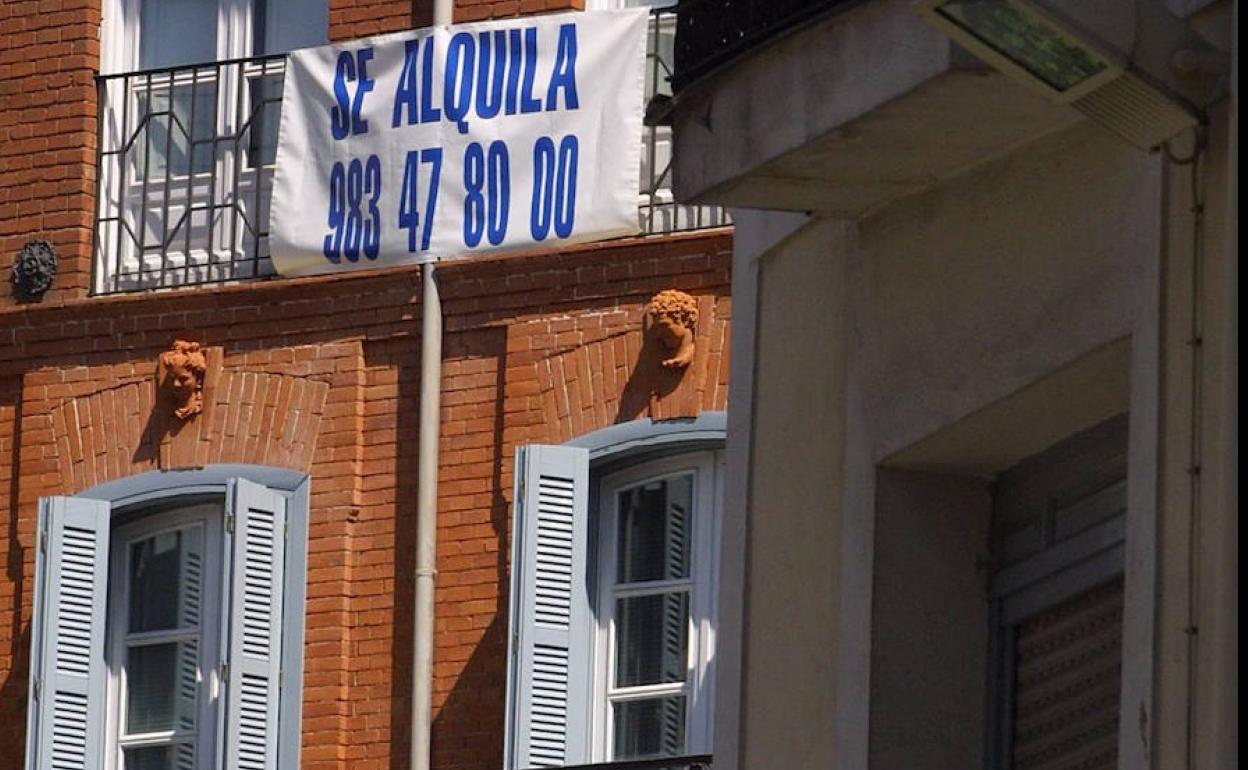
(426,515)
(427,492)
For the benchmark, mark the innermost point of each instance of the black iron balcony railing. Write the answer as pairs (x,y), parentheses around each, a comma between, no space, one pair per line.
(185,173)
(692,762)
(711,33)
(186,156)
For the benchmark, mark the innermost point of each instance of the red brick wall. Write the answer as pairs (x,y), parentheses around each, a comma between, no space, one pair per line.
(48,51)
(322,374)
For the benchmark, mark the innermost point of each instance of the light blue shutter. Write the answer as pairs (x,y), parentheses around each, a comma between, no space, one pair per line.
(65,723)
(256,532)
(548,680)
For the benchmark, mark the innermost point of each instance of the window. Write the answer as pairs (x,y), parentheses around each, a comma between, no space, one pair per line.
(658,210)
(656,607)
(613,605)
(164,623)
(162,631)
(1056,595)
(191,99)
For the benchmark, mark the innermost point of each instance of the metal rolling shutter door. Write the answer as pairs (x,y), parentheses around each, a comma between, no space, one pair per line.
(1058,546)
(1068,672)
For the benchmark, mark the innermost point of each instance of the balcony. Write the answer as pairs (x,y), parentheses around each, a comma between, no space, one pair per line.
(186,170)
(834,107)
(712,33)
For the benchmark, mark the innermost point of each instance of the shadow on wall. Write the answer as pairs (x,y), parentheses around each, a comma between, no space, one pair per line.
(470,707)
(13,691)
(469,722)
(648,383)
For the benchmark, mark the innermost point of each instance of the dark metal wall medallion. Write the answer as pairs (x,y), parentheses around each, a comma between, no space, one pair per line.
(34,267)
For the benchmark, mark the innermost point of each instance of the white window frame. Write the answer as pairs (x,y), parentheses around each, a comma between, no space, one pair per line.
(698,687)
(175,516)
(121,46)
(265,494)
(120,33)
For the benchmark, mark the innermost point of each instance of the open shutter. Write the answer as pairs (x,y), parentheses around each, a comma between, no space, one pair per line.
(548,682)
(66,714)
(256,532)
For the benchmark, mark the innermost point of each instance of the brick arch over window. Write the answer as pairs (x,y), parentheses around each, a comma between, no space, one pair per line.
(253,418)
(604,371)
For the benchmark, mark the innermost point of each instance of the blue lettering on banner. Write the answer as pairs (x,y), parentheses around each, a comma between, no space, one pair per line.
(405,93)
(460,61)
(362,57)
(490,80)
(333,242)
(513,69)
(527,101)
(350,69)
(339,115)
(485,75)
(494,72)
(499,189)
(428,113)
(352,230)
(554,187)
(487,193)
(565,186)
(565,71)
(409,214)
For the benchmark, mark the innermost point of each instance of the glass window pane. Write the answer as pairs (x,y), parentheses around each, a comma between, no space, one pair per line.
(284,25)
(265,93)
(650,728)
(652,638)
(150,758)
(162,683)
(177,125)
(653,536)
(180,756)
(176,32)
(166,574)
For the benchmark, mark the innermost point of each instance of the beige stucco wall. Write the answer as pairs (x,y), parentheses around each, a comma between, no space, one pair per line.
(792,587)
(930,621)
(878,334)
(1198,561)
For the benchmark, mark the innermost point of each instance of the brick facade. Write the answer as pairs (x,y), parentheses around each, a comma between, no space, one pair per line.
(48,54)
(321,374)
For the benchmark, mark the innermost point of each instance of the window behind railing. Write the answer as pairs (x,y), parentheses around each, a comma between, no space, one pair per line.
(185,173)
(186,170)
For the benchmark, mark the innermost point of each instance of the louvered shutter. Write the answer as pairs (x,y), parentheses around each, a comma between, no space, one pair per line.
(66,713)
(256,533)
(548,684)
(1068,673)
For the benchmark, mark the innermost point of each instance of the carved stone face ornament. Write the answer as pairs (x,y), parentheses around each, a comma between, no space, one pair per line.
(34,267)
(182,373)
(671,319)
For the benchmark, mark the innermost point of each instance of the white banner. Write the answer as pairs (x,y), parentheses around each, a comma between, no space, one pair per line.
(446,142)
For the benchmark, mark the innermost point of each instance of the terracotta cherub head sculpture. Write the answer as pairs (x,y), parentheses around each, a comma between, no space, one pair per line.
(182,372)
(671,319)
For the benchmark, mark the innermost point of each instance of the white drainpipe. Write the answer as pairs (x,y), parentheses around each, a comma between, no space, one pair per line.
(427,492)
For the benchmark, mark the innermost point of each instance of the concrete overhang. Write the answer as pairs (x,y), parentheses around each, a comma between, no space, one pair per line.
(847,114)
